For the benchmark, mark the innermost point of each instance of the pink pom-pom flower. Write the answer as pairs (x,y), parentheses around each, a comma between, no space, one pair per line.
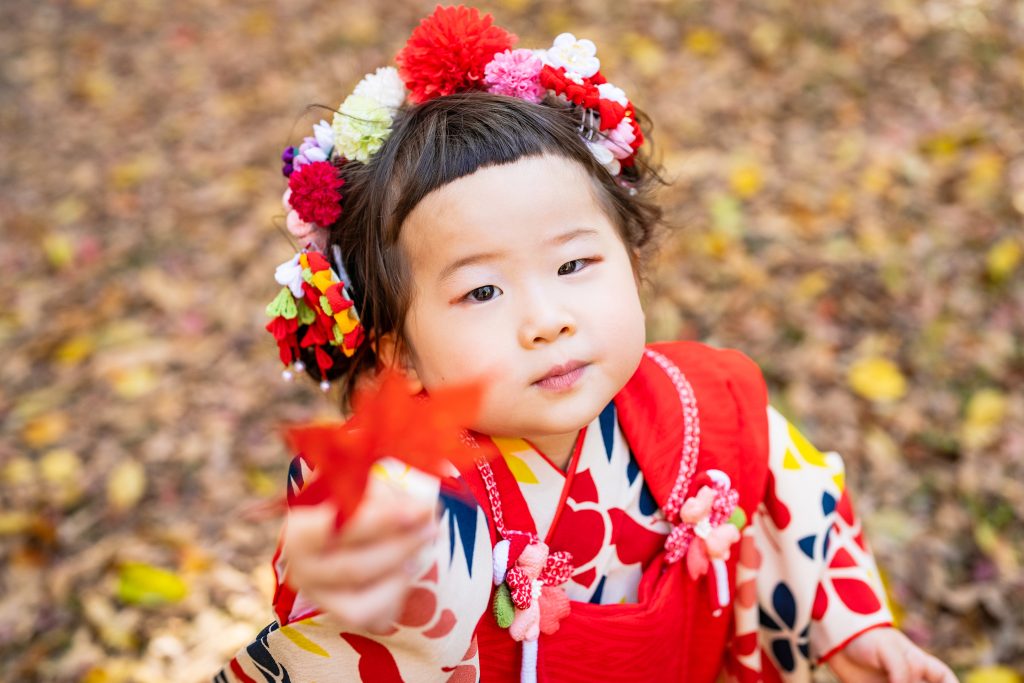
(515,73)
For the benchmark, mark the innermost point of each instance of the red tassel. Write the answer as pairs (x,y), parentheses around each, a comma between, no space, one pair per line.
(323,359)
(316,261)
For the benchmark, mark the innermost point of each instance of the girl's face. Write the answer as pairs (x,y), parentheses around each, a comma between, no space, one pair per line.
(521,279)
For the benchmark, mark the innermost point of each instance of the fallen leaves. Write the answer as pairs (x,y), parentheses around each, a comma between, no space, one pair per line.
(143,584)
(877,379)
(842,173)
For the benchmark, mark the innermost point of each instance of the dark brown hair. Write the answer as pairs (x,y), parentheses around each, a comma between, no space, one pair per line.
(431,145)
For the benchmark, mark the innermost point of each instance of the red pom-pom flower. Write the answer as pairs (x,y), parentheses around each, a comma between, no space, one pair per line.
(316,194)
(448,52)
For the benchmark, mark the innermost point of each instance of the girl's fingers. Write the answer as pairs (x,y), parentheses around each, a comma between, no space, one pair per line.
(894,661)
(369,607)
(935,670)
(354,567)
(308,529)
(378,519)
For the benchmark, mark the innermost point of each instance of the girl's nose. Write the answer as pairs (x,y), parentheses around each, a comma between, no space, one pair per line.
(544,322)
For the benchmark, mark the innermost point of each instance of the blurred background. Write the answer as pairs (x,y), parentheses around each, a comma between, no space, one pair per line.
(846,201)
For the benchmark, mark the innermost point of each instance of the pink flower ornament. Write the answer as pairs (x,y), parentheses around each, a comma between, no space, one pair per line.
(515,73)
(534,578)
(705,536)
(535,583)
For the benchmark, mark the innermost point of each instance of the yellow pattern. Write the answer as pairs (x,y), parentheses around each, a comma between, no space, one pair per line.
(520,470)
(789,462)
(302,641)
(809,453)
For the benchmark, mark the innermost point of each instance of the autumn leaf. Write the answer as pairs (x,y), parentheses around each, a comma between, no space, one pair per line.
(144,584)
(877,379)
(342,454)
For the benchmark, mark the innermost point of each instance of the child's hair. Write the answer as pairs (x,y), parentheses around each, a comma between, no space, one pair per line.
(431,145)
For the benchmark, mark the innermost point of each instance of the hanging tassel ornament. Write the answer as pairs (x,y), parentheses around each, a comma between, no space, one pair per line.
(529,581)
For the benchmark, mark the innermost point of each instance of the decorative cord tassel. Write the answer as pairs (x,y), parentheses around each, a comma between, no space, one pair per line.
(528,674)
(719,592)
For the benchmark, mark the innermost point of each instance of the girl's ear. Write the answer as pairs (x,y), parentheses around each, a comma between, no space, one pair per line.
(394,354)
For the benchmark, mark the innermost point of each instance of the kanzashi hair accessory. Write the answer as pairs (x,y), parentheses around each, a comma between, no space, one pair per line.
(314,296)
(454,50)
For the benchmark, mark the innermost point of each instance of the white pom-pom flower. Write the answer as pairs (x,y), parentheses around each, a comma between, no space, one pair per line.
(500,563)
(575,56)
(289,274)
(604,157)
(324,135)
(614,93)
(384,86)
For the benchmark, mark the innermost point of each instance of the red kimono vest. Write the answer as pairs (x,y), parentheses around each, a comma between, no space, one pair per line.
(670,633)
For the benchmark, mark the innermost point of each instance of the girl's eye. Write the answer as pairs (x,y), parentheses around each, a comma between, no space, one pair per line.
(485,293)
(573,266)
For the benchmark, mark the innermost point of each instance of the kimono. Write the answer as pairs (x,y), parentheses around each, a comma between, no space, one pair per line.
(646,599)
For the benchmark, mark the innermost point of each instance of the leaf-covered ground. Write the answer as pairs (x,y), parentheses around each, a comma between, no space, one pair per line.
(847,204)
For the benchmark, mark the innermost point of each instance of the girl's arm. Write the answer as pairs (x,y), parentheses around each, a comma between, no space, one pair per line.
(426,634)
(819,593)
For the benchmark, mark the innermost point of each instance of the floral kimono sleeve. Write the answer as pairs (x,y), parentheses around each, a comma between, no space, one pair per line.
(807,581)
(433,639)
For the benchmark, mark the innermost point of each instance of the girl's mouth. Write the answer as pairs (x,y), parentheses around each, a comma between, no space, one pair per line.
(562,377)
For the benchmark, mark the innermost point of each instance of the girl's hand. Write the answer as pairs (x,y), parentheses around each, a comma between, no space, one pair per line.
(361,573)
(886,655)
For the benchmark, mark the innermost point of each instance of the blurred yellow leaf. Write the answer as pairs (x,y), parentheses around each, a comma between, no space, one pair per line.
(126,485)
(746,179)
(258,23)
(985,413)
(726,215)
(133,382)
(58,249)
(96,86)
(19,471)
(992,674)
(876,179)
(45,429)
(984,174)
(143,584)
(811,285)
(997,548)
(61,466)
(68,210)
(703,41)
(12,523)
(128,174)
(261,483)
(877,379)
(76,349)
(647,55)
(767,37)
(1003,258)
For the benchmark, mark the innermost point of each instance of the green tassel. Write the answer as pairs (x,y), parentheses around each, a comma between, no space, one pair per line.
(307,275)
(283,305)
(504,610)
(324,304)
(307,316)
(738,518)
(339,338)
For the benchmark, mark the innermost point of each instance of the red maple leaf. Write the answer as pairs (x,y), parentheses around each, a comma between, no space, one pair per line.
(424,432)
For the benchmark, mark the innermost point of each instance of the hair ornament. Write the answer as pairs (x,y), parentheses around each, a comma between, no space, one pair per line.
(454,50)
(314,296)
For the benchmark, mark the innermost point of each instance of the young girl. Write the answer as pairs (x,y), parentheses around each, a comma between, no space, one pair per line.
(637,512)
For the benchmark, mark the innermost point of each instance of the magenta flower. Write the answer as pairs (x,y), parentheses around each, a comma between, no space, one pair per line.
(515,73)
